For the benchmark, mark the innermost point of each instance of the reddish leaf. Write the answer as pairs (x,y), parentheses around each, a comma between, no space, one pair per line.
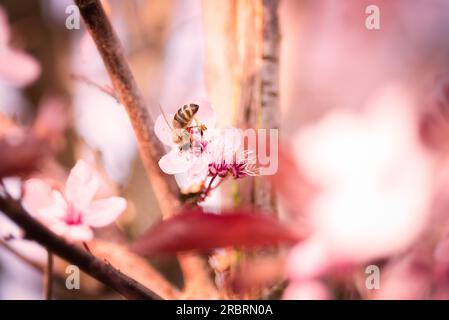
(195,230)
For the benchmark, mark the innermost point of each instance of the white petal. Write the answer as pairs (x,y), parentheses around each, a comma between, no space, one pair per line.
(103,212)
(38,195)
(81,185)
(199,170)
(162,129)
(192,179)
(174,162)
(13,186)
(54,212)
(224,145)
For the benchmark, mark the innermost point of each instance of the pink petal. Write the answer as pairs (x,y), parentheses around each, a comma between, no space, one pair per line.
(13,186)
(15,66)
(163,130)
(73,233)
(18,67)
(198,172)
(55,212)
(173,162)
(81,185)
(103,212)
(308,290)
(38,195)
(308,260)
(191,181)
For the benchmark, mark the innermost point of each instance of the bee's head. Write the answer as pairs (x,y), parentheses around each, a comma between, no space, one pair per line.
(194,107)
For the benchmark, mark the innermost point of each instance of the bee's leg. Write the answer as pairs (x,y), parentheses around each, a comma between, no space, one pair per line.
(199,125)
(176,137)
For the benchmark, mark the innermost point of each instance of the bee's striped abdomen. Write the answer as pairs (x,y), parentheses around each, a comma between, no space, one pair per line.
(184,115)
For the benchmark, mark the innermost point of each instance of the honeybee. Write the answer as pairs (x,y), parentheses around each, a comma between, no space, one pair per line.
(181,125)
(184,116)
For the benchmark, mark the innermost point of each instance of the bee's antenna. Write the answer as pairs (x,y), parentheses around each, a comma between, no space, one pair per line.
(168,123)
(165,117)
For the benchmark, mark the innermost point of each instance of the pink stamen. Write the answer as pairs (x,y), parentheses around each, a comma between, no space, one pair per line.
(73,216)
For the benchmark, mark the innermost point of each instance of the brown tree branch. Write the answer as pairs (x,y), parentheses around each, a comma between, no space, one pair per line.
(136,267)
(117,255)
(103,272)
(150,148)
(269,111)
(242,46)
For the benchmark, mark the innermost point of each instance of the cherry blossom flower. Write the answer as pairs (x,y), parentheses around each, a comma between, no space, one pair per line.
(223,157)
(16,66)
(375,184)
(73,212)
(226,157)
(213,152)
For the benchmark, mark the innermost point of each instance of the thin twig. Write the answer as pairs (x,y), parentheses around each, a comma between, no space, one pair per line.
(48,276)
(103,88)
(136,267)
(86,247)
(96,268)
(218,184)
(208,189)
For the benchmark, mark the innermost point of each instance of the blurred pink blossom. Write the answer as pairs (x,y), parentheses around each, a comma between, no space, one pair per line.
(407,277)
(375,184)
(308,290)
(15,66)
(73,212)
